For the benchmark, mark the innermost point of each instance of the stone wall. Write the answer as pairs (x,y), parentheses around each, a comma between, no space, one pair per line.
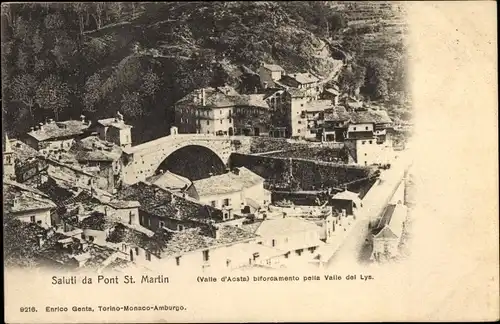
(309,175)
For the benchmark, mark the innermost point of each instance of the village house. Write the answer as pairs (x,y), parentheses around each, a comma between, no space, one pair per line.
(201,248)
(298,238)
(160,208)
(346,202)
(240,191)
(252,115)
(126,211)
(101,158)
(21,159)
(206,111)
(27,204)
(331,94)
(56,136)
(269,74)
(335,124)
(388,233)
(306,82)
(115,130)
(174,182)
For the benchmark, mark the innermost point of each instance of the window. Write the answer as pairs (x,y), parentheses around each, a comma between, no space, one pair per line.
(370,142)
(363,142)
(221,121)
(208,122)
(299,252)
(7,159)
(302,105)
(124,247)
(213,203)
(178,261)
(136,251)
(273,243)
(221,111)
(32,219)
(299,122)
(206,256)
(162,224)
(354,128)
(148,256)
(228,263)
(366,128)
(180,227)
(298,131)
(230,120)
(91,238)
(226,202)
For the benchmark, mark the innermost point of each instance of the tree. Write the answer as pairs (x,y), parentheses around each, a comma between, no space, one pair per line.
(92,92)
(53,94)
(150,84)
(24,89)
(131,104)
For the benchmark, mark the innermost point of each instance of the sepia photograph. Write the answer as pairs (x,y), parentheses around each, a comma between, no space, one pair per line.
(147,144)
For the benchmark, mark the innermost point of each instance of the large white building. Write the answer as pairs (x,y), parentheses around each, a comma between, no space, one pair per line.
(240,190)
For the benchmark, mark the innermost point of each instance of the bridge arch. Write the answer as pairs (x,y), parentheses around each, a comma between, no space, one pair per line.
(144,160)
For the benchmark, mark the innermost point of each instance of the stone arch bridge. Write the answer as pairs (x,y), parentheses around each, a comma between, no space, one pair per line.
(142,161)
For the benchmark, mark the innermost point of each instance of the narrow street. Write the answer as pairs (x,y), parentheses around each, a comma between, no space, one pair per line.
(374,203)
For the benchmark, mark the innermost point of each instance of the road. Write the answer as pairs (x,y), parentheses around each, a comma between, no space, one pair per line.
(374,204)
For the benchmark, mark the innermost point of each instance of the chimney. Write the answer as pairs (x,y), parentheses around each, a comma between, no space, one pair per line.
(51,121)
(15,203)
(161,171)
(82,118)
(41,126)
(32,128)
(215,229)
(40,240)
(203,96)
(81,210)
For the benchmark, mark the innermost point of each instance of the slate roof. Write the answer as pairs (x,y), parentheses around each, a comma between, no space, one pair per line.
(157,201)
(93,148)
(227,182)
(27,198)
(370,116)
(113,122)
(98,221)
(193,239)
(303,78)
(123,204)
(296,93)
(56,130)
(393,219)
(169,180)
(318,105)
(337,114)
(273,67)
(279,226)
(125,234)
(252,100)
(22,151)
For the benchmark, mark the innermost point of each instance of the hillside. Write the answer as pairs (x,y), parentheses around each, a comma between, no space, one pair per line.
(95,58)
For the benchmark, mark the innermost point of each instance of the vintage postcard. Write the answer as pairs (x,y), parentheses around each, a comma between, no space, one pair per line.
(261,161)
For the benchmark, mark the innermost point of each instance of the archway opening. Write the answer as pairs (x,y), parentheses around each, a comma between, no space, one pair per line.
(193,162)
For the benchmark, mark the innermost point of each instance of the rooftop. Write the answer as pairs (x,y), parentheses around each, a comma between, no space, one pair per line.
(303,78)
(93,148)
(252,100)
(116,122)
(392,221)
(163,203)
(273,67)
(233,181)
(20,198)
(169,180)
(55,130)
(337,114)
(370,116)
(123,204)
(318,105)
(22,151)
(279,226)
(98,221)
(192,239)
